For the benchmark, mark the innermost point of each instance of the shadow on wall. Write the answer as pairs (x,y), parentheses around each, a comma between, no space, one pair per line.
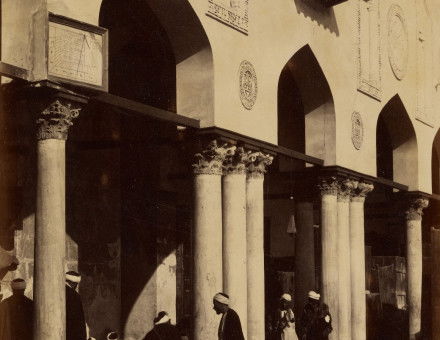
(323,16)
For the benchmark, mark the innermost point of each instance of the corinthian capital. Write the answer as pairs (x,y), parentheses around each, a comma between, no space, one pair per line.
(415,208)
(345,188)
(328,185)
(54,121)
(235,161)
(361,191)
(210,161)
(257,163)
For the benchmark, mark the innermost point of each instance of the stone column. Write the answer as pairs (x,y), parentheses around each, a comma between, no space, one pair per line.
(234,232)
(357,256)
(414,263)
(435,283)
(304,253)
(345,187)
(50,229)
(207,239)
(329,242)
(257,164)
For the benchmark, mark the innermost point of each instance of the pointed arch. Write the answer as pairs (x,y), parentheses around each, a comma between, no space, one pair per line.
(396,145)
(159,54)
(306,115)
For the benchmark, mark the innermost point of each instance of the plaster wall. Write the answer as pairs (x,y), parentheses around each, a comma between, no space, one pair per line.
(276,32)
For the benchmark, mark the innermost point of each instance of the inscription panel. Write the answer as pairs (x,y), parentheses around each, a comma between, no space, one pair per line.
(233,13)
(76,54)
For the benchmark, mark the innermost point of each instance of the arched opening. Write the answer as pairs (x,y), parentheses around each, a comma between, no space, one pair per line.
(306,117)
(396,145)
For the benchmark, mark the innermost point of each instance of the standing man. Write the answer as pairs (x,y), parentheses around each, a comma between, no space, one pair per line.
(75,320)
(310,314)
(16,314)
(230,326)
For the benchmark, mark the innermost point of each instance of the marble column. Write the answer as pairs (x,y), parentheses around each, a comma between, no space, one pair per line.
(207,239)
(357,257)
(234,232)
(345,187)
(435,283)
(257,164)
(304,253)
(329,243)
(414,263)
(53,123)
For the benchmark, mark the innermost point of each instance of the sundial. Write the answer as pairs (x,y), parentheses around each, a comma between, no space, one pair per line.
(77,52)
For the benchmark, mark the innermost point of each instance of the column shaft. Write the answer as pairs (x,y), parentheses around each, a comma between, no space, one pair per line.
(304,255)
(234,243)
(357,252)
(255,257)
(414,274)
(344,285)
(435,283)
(329,240)
(50,242)
(414,261)
(207,253)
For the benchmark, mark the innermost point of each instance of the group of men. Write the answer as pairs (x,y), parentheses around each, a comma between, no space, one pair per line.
(16,312)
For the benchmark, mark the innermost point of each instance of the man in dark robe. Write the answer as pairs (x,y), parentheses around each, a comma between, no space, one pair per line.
(16,314)
(75,320)
(230,326)
(163,329)
(308,317)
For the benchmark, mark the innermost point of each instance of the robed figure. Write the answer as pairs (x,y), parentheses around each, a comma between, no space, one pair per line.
(163,329)
(75,320)
(16,314)
(230,325)
(305,328)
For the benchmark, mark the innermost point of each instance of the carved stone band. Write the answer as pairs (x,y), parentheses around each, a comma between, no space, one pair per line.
(328,185)
(415,209)
(54,121)
(228,159)
(345,188)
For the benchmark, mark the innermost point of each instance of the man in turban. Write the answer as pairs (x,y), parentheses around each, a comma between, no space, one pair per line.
(16,314)
(75,320)
(230,326)
(309,316)
(163,329)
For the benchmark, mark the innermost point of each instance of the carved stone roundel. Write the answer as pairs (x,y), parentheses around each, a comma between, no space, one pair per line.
(357,130)
(248,84)
(397,41)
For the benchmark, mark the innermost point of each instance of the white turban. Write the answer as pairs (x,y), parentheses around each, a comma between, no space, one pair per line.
(286,297)
(314,295)
(73,277)
(163,317)
(18,284)
(222,298)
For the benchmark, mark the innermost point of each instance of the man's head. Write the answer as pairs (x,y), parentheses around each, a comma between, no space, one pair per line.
(73,279)
(313,297)
(18,286)
(286,300)
(221,303)
(162,318)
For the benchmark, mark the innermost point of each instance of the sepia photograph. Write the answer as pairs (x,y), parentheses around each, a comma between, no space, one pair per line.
(219,170)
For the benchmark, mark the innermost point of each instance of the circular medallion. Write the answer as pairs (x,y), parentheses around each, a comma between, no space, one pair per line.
(357,130)
(248,84)
(397,41)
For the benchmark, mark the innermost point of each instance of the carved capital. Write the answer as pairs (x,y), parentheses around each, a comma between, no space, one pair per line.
(360,191)
(328,186)
(210,161)
(235,161)
(415,208)
(54,121)
(345,188)
(257,163)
